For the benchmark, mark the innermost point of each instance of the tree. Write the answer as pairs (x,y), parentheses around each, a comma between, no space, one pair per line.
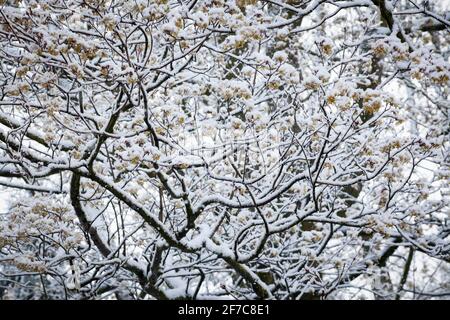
(272,149)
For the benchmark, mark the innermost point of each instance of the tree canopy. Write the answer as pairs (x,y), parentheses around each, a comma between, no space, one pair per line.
(192,149)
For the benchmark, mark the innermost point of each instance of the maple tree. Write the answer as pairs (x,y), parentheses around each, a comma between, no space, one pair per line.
(193,149)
